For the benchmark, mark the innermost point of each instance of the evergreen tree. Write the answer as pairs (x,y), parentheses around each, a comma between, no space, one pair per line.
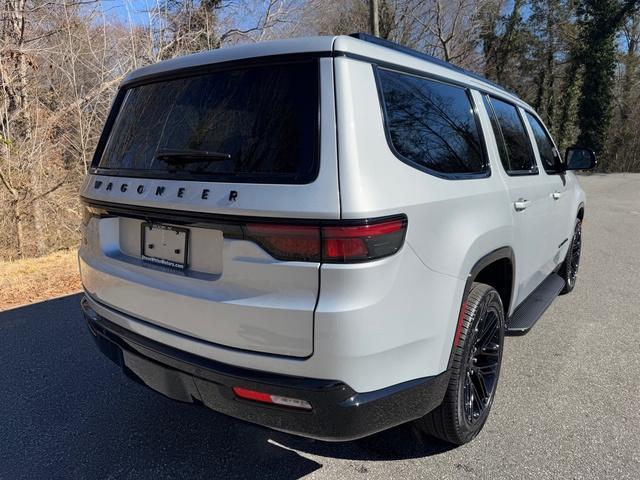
(599,23)
(550,28)
(504,43)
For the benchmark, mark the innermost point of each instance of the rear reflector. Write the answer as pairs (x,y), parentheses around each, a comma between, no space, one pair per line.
(272,399)
(339,243)
(463,311)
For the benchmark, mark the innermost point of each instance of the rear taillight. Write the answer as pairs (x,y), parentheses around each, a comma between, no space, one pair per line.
(363,242)
(330,243)
(286,242)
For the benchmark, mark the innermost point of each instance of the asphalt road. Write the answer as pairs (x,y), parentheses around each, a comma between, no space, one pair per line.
(567,405)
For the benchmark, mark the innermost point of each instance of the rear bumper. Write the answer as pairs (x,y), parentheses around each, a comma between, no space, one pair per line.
(338,412)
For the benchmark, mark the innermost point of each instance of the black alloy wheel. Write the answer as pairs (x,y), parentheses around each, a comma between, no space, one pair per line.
(483,364)
(569,268)
(474,371)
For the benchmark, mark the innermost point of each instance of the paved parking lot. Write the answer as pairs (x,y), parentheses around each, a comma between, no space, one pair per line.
(567,405)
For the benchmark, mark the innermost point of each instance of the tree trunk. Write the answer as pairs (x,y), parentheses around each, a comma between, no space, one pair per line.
(19,219)
(22,119)
(38,219)
(506,44)
(626,102)
(374,17)
(598,38)
(568,97)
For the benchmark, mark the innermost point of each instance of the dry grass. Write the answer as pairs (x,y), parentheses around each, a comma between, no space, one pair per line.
(36,279)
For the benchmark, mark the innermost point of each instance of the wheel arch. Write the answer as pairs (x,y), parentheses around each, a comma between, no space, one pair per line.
(490,269)
(487,270)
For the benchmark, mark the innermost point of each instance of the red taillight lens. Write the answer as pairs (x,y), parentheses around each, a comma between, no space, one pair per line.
(335,248)
(363,242)
(287,242)
(355,242)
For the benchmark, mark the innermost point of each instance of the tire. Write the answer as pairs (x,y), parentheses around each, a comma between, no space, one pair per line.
(461,415)
(569,268)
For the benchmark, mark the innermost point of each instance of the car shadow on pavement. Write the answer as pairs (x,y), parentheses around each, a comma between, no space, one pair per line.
(69,412)
(399,443)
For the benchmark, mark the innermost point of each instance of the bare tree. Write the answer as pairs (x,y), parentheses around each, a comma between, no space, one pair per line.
(17,170)
(448,30)
(62,60)
(623,146)
(56,70)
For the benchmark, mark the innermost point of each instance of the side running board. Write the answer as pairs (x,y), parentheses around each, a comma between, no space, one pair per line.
(529,311)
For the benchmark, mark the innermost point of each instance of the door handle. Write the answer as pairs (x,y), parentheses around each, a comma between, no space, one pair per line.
(521,204)
(556,195)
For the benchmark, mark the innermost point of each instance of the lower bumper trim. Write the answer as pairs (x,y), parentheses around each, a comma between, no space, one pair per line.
(338,412)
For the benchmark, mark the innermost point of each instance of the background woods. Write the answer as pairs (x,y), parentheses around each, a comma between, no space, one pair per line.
(576,61)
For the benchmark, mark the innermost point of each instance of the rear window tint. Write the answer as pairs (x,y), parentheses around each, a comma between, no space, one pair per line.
(259,122)
(516,153)
(432,124)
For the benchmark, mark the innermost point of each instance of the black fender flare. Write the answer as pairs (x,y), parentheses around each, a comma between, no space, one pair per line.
(488,259)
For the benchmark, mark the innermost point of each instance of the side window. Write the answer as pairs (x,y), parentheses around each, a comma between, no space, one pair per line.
(516,152)
(432,125)
(497,132)
(546,149)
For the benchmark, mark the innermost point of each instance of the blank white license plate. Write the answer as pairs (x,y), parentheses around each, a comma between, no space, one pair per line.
(165,245)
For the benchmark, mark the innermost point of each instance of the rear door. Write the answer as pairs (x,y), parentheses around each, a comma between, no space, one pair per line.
(558,188)
(193,178)
(528,192)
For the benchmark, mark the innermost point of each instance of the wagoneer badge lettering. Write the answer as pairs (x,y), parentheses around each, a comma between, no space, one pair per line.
(160,189)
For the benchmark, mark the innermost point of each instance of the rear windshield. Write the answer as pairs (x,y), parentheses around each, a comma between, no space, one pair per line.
(251,124)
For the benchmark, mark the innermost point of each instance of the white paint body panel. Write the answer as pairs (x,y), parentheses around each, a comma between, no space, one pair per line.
(250,305)
(370,325)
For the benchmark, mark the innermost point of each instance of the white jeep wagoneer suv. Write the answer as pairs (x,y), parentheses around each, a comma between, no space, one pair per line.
(327,236)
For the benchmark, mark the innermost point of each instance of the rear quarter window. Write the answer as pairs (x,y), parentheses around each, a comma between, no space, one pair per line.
(259,123)
(432,125)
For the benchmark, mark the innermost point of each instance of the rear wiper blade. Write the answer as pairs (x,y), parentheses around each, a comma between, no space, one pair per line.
(171,155)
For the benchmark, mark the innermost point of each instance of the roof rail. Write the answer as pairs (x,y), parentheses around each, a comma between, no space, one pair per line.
(424,56)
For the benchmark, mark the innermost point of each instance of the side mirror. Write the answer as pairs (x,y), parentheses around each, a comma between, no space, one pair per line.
(578,158)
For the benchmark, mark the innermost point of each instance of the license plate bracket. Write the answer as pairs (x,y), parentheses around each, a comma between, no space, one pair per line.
(164,245)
